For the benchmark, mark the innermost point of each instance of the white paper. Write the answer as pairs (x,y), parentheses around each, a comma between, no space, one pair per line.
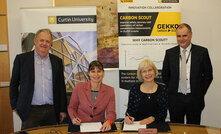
(90,127)
(133,127)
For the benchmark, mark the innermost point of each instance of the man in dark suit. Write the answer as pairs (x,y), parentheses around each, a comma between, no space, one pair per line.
(37,89)
(186,95)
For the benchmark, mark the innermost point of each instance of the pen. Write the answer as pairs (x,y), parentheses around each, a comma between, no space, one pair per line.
(129,116)
(77,120)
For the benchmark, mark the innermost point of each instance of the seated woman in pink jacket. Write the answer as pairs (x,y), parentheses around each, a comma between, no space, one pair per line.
(91,100)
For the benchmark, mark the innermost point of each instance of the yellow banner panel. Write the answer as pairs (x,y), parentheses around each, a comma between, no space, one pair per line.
(166,24)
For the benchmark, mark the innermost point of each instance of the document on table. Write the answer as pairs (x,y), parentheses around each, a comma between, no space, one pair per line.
(133,127)
(90,127)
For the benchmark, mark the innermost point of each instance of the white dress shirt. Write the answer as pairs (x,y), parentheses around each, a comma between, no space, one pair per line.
(188,64)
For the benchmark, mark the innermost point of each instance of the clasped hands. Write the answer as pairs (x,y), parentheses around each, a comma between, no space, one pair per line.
(105,127)
(130,120)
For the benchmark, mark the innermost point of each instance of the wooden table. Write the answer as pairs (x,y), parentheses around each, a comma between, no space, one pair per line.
(175,129)
(55,129)
(193,129)
(182,129)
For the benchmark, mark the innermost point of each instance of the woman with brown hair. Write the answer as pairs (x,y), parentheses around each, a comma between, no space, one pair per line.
(93,101)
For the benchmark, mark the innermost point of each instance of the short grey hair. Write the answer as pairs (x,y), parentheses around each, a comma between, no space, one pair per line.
(43,30)
(145,63)
(185,25)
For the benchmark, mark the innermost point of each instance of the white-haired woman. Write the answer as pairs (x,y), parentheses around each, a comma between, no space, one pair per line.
(148,100)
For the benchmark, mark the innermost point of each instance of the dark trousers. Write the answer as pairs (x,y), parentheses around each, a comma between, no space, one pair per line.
(184,105)
(42,115)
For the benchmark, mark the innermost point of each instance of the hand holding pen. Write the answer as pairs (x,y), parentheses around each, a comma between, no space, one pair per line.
(76,121)
(129,119)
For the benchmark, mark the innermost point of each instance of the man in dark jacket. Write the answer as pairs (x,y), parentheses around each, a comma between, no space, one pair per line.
(37,89)
(187,72)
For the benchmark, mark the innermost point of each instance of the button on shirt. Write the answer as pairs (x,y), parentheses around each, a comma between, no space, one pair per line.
(43,91)
(188,58)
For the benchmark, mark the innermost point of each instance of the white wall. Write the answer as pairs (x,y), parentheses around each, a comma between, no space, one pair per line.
(14,31)
(205,19)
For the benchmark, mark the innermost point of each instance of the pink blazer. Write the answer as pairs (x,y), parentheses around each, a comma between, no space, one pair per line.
(81,104)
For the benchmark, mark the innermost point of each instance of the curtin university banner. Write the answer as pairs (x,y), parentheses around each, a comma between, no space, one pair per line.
(74,32)
(146,29)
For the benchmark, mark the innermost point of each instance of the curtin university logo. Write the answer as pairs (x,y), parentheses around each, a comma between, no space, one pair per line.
(71,19)
(51,19)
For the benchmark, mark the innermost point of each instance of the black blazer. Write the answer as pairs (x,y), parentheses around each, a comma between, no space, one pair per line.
(22,84)
(201,72)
